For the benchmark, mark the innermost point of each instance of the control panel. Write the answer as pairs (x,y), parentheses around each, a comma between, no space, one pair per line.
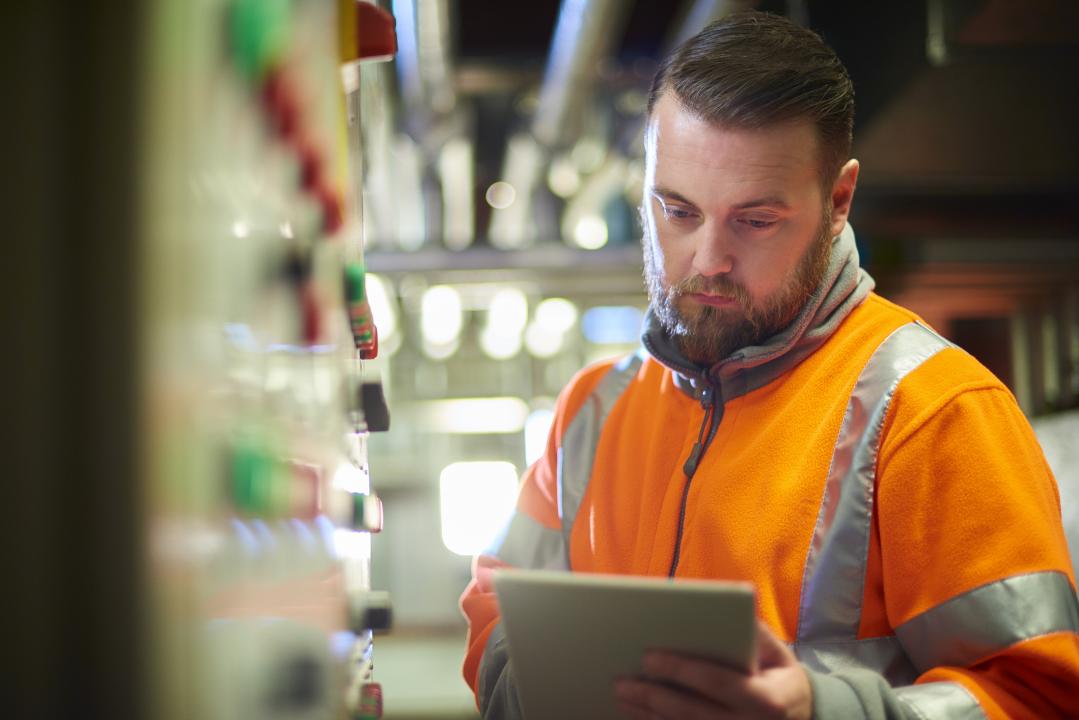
(259,408)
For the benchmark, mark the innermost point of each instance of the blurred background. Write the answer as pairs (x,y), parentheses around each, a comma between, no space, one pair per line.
(501,171)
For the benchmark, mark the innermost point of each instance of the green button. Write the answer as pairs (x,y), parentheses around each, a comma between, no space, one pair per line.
(354,282)
(252,479)
(260,33)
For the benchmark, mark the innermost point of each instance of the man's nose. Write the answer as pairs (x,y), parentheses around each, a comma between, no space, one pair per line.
(712,253)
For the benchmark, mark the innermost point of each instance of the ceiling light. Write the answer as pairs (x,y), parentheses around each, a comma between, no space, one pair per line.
(441,317)
(500,195)
(477,499)
(590,232)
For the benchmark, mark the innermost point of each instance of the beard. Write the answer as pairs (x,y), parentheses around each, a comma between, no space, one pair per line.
(706,334)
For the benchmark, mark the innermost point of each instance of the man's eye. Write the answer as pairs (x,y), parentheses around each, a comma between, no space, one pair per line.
(674,213)
(758,224)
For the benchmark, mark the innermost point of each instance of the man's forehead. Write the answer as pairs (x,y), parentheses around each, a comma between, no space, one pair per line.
(676,135)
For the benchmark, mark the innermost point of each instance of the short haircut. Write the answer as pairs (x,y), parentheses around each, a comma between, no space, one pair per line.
(755,70)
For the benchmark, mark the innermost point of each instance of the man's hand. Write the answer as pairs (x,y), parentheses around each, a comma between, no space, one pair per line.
(684,688)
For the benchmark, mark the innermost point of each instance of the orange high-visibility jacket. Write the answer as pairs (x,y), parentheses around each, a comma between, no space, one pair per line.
(884,493)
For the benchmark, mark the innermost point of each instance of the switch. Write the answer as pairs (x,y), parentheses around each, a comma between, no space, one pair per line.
(366,512)
(372,402)
(373,611)
(369,706)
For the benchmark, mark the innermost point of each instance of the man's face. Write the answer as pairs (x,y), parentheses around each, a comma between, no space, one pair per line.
(737,231)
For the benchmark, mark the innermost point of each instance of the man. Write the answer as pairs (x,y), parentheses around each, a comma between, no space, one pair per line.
(787,426)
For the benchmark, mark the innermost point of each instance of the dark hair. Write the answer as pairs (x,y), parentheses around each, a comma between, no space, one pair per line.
(754,70)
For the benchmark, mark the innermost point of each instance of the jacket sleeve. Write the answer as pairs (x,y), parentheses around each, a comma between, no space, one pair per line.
(533,539)
(976,576)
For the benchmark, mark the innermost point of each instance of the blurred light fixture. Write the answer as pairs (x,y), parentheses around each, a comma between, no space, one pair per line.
(542,342)
(474,416)
(590,232)
(383,308)
(537,428)
(440,351)
(512,224)
(240,229)
(409,223)
(583,221)
(508,309)
(351,543)
(556,314)
(500,195)
(562,177)
(612,325)
(500,345)
(350,478)
(477,500)
(588,154)
(286,230)
(441,317)
(546,334)
(455,166)
(506,318)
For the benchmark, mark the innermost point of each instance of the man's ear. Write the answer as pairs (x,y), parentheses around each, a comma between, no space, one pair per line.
(843,195)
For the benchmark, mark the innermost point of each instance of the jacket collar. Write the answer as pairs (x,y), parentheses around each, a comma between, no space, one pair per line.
(844,286)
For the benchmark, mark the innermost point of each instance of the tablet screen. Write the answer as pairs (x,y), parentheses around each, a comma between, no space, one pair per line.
(571,634)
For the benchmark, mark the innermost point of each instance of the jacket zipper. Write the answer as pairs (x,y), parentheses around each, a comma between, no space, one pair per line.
(709,425)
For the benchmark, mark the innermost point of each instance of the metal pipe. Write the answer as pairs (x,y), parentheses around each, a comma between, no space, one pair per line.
(584,34)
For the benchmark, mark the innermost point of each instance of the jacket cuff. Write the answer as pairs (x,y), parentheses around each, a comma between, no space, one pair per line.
(833,697)
(856,695)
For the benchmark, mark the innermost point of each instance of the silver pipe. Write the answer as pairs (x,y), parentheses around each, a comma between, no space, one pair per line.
(584,34)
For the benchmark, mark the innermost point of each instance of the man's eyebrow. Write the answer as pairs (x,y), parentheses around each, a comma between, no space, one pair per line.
(668,194)
(774,201)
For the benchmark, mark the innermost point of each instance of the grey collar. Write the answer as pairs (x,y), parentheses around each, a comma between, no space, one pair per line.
(844,287)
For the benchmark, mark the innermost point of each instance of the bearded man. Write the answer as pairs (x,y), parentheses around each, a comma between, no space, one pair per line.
(786,426)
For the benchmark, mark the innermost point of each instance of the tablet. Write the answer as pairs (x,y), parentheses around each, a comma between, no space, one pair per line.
(571,634)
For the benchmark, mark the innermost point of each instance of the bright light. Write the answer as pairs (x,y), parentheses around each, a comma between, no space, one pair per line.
(537,428)
(455,165)
(588,154)
(590,232)
(440,351)
(383,310)
(499,344)
(351,544)
(563,178)
(286,230)
(477,499)
(472,416)
(508,310)
(240,229)
(612,325)
(441,315)
(556,314)
(506,318)
(541,341)
(500,195)
(350,478)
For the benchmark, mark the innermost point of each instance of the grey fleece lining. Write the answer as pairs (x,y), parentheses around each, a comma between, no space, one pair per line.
(844,287)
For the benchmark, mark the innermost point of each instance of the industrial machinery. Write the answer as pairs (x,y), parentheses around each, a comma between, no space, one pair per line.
(260,508)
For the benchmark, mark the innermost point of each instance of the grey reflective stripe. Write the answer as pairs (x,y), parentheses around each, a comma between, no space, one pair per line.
(983,621)
(495,688)
(577,451)
(528,544)
(941,700)
(834,575)
(884,655)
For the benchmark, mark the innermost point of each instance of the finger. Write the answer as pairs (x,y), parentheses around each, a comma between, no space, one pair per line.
(705,677)
(657,701)
(771,651)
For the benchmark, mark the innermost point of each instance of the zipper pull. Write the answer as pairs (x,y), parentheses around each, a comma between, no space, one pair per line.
(690,465)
